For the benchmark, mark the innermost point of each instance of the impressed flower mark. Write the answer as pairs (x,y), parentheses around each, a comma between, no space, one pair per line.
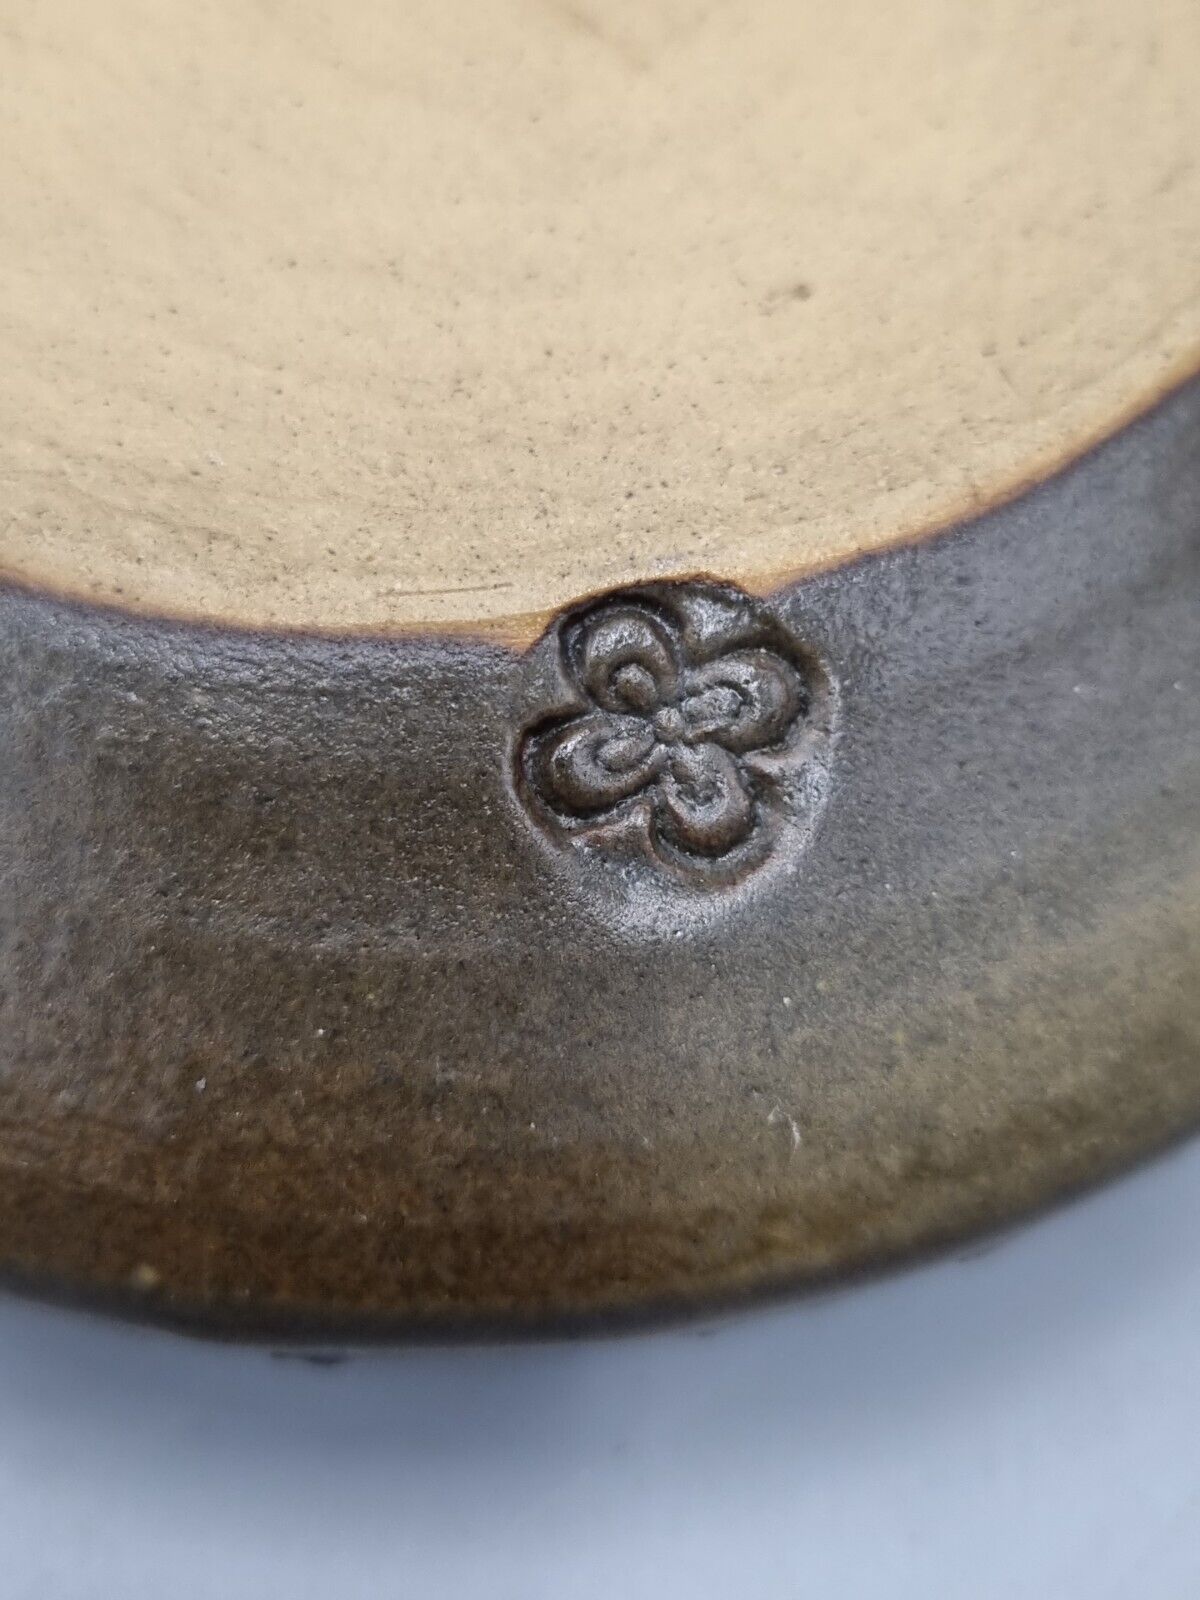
(687,707)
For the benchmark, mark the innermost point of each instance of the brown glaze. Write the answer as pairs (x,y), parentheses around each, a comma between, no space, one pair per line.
(686,733)
(502,832)
(311,1023)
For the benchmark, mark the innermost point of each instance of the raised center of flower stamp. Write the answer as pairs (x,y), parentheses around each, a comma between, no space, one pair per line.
(688,732)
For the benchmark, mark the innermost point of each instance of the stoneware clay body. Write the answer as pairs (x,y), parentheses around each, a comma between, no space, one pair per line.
(600,618)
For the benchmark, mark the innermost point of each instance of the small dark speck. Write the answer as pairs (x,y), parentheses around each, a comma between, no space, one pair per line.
(313,1358)
(781,297)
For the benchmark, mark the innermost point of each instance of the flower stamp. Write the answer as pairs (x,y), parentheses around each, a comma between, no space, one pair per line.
(689,710)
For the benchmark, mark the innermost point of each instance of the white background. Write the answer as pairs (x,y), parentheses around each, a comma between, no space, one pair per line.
(1022,1422)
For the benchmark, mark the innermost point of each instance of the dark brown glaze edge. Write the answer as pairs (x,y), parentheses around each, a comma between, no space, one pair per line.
(310,1330)
(989,950)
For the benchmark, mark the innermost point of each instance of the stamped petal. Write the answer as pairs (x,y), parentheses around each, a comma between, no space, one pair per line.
(705,807)
(744,701)
(628,659)
(594,762)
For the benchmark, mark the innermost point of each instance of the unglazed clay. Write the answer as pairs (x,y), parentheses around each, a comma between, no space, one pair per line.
(448,313)
(600,629)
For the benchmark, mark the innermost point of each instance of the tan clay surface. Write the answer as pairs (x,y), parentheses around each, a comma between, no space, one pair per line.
(375,315)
